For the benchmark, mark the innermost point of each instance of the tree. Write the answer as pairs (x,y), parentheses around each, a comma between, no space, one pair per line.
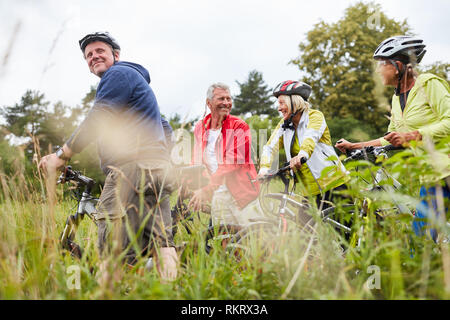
(438,68)
(23,119)
(46,126)
(255,97)
(336,60)
(34,117)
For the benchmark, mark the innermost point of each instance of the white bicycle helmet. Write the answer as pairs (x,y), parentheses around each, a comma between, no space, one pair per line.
(405,49)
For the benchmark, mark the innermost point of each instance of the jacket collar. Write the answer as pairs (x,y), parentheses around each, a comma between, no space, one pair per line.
(206,123)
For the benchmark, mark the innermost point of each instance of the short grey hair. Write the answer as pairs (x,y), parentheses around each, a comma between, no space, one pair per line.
(218,85)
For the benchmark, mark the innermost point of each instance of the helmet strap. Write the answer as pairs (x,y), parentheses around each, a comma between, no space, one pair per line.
(401,73)
(288,123)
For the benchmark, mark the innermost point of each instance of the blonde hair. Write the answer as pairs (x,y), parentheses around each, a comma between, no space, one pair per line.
(299,104)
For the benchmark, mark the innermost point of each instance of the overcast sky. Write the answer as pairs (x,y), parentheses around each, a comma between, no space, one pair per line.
(185,45)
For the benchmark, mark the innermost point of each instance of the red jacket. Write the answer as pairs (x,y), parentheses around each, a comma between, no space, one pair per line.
(235,165)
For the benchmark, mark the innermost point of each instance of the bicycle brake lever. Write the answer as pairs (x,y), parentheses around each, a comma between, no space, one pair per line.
(62,177)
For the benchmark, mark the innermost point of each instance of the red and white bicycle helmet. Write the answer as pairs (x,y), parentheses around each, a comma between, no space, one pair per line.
(291,87)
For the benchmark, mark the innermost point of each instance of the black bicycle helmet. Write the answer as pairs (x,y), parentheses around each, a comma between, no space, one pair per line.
(99,36)
(291,87)
(402,48)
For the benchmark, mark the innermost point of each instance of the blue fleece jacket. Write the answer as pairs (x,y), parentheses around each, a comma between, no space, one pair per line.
(125,120)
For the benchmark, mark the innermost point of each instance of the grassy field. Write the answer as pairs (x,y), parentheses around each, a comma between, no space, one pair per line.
(391,263)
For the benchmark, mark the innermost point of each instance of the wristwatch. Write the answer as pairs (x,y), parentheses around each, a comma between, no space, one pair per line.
(60,154)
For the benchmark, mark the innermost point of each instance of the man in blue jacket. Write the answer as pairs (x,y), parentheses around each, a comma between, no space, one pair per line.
(126,123)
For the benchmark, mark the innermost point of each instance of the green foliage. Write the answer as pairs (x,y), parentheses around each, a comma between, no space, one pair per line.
(33,118)
(23,119)
(32,265)
(177,122)
(336,60)
(350,129)
(255,97)
(46,126)
(261,129)
(438,68)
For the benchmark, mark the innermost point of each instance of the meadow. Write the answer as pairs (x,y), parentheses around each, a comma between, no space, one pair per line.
(391,263)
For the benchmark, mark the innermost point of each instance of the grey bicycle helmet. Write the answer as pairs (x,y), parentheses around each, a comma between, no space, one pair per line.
(99,36)
(402,48)
(291,87)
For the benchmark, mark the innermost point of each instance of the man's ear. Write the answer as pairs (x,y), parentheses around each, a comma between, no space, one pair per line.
(116,55)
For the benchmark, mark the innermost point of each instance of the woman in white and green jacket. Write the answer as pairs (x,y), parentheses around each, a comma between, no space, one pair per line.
(303,133)
(420,110)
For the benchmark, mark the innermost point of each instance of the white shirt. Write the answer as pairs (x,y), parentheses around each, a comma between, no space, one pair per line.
(210,150)
(210,153)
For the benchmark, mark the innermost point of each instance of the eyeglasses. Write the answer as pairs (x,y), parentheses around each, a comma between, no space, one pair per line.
(383,63)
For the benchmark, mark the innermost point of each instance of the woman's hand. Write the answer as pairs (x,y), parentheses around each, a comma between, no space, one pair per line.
(398,139)
(296,162)
(343,145)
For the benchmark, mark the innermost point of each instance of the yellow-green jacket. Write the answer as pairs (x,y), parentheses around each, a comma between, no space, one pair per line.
(312,140)
(427,110)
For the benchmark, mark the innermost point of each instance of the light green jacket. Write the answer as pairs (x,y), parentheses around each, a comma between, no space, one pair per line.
(428,111)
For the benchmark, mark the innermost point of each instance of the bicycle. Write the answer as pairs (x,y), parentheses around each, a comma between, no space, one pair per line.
(268,234)
(341,218)
(181,215)
(359,210)
(193,179)
(86,205)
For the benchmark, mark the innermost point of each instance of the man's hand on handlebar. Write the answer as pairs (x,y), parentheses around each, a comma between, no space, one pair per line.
(51,163)
(198,200)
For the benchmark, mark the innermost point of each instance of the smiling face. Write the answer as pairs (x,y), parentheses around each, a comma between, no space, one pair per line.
(221,103)
(283,108)
(388,72)
(99,57)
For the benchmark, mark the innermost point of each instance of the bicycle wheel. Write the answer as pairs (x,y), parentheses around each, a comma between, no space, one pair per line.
(269,239)
(73,248)
(67,238)
(220,235)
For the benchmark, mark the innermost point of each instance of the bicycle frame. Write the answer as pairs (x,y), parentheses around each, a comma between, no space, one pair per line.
(86,206)
(381,174)
(284,197)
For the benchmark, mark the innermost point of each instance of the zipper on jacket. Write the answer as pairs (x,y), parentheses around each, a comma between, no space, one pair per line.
(327,156)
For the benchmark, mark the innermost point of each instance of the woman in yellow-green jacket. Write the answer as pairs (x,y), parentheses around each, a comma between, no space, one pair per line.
(303,133)
(420,110)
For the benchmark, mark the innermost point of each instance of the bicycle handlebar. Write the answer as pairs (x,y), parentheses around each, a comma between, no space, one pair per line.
(359,154)
(280,171)
(71,175)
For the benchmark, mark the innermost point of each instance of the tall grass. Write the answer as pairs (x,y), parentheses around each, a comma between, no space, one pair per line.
(306,265)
